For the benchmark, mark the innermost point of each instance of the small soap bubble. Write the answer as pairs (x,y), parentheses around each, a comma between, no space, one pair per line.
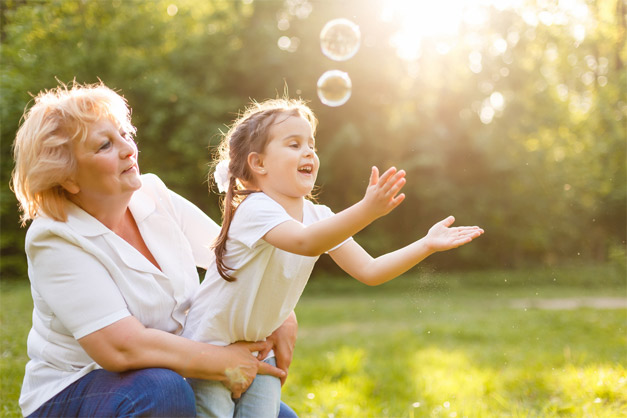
(334,88)
(340,39)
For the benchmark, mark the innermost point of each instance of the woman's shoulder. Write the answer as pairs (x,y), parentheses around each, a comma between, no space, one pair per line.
(41,225)
(153,190)
(152,182)
(43,229)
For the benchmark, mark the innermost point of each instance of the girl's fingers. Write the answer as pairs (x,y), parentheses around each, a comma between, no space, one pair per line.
(374,176)
(448,221)
(385,177)
(396,187)
(397,200)
(392,182)
(472,230)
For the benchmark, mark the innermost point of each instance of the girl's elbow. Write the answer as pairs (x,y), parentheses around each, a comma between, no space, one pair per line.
(308,249)
(312,252)
(367,279)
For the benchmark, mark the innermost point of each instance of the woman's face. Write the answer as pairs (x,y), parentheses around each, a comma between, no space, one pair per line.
(107,165)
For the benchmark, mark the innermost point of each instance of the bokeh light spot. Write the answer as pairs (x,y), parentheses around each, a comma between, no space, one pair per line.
(172,10)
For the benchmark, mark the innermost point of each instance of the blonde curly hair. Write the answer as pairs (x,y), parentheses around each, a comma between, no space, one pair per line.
(43,149)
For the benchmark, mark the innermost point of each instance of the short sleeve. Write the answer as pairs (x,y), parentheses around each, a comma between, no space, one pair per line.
(78,290)
(255,217)
(317,212)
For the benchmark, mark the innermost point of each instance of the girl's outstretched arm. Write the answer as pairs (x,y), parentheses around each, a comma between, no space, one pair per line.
(315,239)
(354,260)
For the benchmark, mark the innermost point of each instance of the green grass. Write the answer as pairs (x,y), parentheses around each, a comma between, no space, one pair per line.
(16,307)
(461,345)
(454,345)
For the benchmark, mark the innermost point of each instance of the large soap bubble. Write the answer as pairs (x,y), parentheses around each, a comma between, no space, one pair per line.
(334,88)
(340,39)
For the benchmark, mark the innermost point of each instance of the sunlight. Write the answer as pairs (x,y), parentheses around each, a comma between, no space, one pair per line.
(439,22)
(419,20)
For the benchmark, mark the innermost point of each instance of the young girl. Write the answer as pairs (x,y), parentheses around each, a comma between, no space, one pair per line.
(272,235)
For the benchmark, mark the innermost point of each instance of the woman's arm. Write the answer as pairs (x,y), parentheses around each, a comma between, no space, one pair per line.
(319,237)
(354,260)
(128,345)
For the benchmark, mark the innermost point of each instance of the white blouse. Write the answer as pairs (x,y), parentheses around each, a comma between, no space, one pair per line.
(84,277)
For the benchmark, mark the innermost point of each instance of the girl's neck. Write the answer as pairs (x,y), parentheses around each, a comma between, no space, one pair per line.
(292,205)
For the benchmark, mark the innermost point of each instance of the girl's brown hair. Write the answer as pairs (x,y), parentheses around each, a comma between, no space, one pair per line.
(249,133)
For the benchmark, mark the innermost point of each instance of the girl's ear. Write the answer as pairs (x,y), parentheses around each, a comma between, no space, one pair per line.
(255,162)
(71,186)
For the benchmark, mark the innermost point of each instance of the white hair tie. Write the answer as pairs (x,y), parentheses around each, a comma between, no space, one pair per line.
(222,175)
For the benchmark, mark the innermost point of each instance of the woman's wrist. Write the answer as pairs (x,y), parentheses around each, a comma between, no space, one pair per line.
(207,362)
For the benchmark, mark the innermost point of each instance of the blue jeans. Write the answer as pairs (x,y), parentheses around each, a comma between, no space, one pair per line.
(147,392)
(262,399)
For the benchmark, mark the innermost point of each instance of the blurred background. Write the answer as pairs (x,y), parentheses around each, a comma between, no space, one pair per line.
(507,114)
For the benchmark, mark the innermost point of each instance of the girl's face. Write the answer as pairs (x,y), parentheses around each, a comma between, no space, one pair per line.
(288,166)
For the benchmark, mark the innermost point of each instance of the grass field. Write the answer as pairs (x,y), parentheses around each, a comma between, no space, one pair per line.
(530,343)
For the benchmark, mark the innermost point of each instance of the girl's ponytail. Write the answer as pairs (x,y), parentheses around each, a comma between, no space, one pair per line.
(233,197)
(228,209)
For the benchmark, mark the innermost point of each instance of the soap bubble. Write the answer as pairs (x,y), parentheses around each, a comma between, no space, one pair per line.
(340,39)
(334,88)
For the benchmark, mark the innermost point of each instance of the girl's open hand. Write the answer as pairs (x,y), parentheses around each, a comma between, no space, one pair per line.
(381,194)
(442,237)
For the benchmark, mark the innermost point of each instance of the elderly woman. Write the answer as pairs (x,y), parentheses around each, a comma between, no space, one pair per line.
(112,260)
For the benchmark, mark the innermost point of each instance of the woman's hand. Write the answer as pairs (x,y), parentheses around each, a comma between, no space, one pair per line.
(283,341)
(244,366)
(381,195)
(129,345)
(442,237)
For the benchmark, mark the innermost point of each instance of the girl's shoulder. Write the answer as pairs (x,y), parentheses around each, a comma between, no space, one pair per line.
(313,212)
(258,207)
(257,201)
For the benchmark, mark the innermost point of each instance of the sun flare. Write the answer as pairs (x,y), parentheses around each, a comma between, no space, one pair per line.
(440,21)
(419,20)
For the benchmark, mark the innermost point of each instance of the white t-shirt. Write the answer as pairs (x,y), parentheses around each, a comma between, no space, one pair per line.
(84,277)
(269,280)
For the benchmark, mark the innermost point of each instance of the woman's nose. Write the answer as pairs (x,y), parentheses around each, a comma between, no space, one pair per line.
(127,148)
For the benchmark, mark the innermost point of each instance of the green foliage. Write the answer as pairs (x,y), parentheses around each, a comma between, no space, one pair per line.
(544,173)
